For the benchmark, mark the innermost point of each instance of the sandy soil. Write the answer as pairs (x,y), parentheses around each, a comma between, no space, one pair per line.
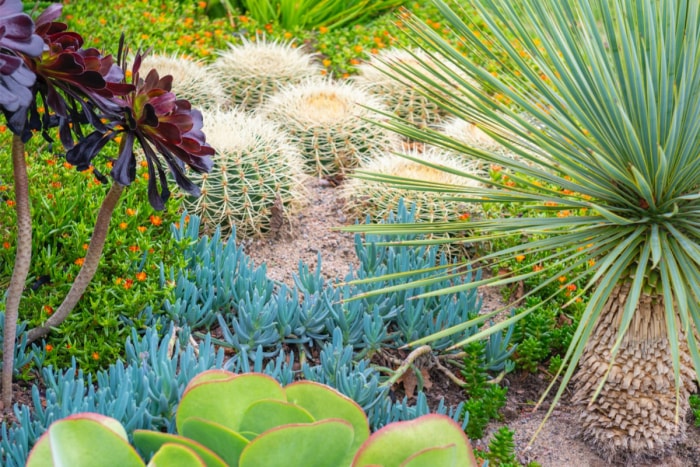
(312,231)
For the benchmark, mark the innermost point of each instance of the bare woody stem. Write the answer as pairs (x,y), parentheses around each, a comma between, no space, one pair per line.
(89,267)
(422,350)
(23,259)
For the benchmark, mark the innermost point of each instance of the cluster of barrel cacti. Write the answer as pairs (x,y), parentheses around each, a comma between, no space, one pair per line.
(275,121)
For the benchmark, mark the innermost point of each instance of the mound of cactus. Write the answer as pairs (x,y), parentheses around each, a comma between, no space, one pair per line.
(378,201)
(192,79)
(254,70)
(256,184)
(403,99)
(327,120)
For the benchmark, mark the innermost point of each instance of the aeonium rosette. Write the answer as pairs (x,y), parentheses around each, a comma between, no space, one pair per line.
(17,38)
(72,81)
(151,115)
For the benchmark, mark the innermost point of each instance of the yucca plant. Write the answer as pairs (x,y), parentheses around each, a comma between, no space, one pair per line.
(603,100)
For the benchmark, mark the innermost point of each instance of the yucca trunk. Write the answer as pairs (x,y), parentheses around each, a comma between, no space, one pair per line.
(634,414)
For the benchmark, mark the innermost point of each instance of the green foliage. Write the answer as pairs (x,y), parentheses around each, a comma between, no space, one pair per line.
(695,407)
(502,449)
(64,206)
(542,334)
(485,399)
(250,420)
(309,14)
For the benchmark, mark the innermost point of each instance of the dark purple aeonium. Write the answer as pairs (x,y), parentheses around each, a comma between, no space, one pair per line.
(161,124)
(74,84)
(17,38)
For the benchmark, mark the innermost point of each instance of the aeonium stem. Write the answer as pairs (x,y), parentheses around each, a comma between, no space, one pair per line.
(23,258)
(89,267)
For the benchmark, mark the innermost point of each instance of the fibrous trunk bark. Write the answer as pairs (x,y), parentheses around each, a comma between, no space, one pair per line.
(23,259)
(89,267)
(634,416)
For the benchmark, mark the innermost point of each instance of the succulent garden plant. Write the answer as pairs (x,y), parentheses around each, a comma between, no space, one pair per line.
(256,69)
(193,80)
(399,96)
(256,184)
(328,121)
(365,197)
(609,88)
(44,63)
(250,420)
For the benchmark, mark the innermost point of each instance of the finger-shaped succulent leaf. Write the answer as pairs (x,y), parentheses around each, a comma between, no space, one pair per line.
(324,402)
(150,442)
(84,440)
(213,400)
(266,414)
(176,455)
(225,442)
(398,442)
(321,444)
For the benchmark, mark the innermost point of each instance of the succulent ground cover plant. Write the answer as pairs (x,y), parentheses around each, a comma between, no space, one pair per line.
(611,89)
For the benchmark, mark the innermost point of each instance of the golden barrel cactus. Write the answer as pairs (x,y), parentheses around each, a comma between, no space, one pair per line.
(256,184)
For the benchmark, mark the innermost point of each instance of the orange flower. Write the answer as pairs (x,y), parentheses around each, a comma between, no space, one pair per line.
(134,248)
(571,287)
(130,212)
(155,220)
(85,246)
(537,268)
(496,168)
(562,279)
(49,347)
(6,245)
(95,356)
(48,309)
(141,228)
(464,216)
(141,276)
(79,261)
(129,283)
(51,161)
(591,263)
(123,225)
(10,203)
(118,280)
(519,258)
(322,30)
(67,165)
